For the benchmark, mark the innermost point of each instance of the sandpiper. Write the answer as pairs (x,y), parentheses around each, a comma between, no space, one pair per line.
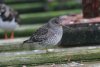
(49,34)
(8,20)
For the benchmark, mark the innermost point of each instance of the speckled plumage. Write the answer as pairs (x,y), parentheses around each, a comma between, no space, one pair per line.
(49,34)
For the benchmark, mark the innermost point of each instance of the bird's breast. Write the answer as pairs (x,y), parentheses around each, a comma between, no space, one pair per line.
(7,25)
(55,38)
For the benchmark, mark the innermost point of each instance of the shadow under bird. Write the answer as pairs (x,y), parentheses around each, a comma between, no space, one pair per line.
(49,34)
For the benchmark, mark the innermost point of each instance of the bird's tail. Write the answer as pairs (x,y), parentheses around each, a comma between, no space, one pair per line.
(27,41)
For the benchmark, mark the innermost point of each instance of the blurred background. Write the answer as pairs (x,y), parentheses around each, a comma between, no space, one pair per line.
(33,13)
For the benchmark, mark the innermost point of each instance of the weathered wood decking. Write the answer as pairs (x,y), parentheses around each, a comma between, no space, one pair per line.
(37,57)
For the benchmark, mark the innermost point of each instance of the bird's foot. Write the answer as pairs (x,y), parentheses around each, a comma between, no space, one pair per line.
(6,37)
(12,35)
(69,58)
(47,51)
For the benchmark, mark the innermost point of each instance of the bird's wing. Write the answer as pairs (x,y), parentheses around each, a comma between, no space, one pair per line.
(41,34)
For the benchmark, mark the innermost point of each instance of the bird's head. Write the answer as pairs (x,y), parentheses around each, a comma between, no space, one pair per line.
(56,21)
(7,13)
(4,10)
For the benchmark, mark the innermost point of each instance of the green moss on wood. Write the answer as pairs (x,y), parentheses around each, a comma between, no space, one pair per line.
(59,57)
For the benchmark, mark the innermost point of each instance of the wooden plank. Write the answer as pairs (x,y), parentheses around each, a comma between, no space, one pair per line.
(55,56)
(12,44)
(81,34)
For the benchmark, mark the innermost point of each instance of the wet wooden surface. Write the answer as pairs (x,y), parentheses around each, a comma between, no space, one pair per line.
(60,55)
(88,64)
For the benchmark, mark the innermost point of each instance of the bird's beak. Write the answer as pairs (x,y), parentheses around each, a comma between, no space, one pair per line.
(0,13)
(65,21)
(61,24)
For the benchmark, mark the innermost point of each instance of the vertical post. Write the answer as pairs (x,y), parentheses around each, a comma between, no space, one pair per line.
(90,8)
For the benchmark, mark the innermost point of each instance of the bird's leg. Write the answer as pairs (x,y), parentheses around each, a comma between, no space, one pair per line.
(12,35)
(6,37)
(47,51)
(30,47)
(69,58)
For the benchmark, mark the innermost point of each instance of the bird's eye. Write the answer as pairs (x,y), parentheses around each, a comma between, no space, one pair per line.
(56,20)
(2,9)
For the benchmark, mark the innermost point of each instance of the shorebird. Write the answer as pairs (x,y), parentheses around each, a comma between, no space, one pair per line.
(8,20)
(49,34)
